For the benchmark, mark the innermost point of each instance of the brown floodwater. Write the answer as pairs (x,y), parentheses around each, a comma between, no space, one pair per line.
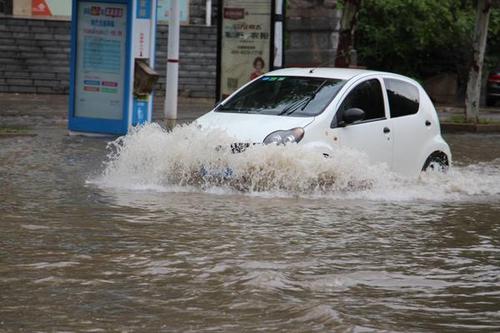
(87,245)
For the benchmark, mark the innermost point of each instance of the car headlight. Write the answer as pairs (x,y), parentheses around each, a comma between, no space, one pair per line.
(284,137)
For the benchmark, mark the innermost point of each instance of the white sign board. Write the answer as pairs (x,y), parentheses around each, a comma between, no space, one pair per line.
(163,11)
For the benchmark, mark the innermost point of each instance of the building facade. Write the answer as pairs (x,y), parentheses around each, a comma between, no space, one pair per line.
(35,44)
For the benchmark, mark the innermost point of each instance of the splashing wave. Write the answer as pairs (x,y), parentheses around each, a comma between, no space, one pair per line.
(192,159)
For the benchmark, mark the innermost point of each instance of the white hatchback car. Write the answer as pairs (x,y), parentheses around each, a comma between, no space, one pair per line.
(389,117)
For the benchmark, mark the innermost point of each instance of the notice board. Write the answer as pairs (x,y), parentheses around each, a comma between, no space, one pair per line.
(100,60)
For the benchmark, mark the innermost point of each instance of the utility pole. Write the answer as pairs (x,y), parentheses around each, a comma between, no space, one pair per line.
(208,13)
(478,47)
(171,89)
(278,34)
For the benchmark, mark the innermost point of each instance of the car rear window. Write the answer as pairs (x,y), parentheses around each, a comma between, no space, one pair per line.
(284,96)
(404,99)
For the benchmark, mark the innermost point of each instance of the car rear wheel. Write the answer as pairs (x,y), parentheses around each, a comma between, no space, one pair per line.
(437,161)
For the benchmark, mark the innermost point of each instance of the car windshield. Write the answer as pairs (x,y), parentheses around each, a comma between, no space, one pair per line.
(284,95)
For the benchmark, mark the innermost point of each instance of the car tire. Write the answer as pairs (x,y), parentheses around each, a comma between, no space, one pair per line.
(490,101)
(437,161)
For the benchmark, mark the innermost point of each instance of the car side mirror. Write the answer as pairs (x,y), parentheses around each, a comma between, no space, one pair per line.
(351,115)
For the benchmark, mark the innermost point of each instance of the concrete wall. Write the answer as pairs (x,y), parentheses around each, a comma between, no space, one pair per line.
(312,29)
(34,57)
(198,60)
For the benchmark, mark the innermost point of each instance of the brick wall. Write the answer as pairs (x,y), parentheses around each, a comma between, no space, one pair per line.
(198,60)
(197,11)
(34,53)
(34,57)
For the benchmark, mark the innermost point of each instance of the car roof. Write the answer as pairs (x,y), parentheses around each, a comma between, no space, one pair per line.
(323,72)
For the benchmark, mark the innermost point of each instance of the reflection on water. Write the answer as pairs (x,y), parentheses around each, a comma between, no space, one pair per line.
(80,251)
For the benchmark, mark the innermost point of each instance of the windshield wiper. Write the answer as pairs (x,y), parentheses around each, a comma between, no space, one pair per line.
(313,95)
(305,101)
(292,107)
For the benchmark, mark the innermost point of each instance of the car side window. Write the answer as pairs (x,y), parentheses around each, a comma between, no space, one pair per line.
(404,99)
(366,96)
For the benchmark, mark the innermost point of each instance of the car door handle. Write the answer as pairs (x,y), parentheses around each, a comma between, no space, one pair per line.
(387,130)
(428,123)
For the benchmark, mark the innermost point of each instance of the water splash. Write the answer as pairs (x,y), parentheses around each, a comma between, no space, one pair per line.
(193,159)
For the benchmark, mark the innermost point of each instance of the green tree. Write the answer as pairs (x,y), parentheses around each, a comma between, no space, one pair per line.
(421,38)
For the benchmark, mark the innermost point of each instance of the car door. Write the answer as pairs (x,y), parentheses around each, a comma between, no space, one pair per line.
(373,134)
(412,129)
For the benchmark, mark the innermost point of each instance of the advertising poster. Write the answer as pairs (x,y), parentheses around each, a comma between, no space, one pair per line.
(163,10)
(51,7)
(100,60)
(245,42)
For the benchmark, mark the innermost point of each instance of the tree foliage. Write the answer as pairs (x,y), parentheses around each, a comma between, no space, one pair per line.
(421,38)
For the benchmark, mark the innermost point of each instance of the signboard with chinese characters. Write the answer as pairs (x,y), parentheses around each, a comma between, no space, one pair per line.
(142,33)
(112,65)
(63,8)
(245,42)
(100,60)
(51,8)
(163,11)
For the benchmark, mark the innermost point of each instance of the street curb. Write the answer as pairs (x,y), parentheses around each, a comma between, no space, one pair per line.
(470,128)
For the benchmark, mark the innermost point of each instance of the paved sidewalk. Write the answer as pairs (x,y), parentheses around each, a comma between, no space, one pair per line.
(53,109)
(448,113)
(30,110)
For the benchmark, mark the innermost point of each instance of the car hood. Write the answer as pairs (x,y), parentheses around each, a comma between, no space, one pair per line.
(250,127)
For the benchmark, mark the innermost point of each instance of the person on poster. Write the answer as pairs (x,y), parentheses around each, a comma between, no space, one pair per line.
(258,65)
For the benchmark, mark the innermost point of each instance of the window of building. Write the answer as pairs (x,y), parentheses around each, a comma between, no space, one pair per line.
(403,97)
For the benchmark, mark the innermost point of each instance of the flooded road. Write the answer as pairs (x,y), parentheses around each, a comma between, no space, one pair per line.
(93,247)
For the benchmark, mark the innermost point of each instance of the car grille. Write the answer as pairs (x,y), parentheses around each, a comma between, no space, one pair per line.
(236,147)
(239,147)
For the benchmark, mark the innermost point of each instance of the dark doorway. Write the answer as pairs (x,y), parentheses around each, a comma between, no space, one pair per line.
(6,7)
